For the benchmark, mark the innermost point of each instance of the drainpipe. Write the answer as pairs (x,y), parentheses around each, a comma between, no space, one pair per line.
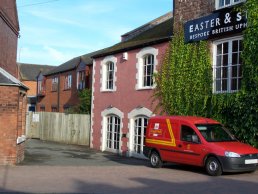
(58,92)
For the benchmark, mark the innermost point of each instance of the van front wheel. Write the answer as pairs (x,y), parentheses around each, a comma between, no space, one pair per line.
(155,160)
(213,166)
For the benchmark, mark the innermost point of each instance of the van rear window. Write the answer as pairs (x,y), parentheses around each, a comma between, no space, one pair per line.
(215,133)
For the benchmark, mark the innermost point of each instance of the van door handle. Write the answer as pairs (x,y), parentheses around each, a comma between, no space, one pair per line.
(180,145)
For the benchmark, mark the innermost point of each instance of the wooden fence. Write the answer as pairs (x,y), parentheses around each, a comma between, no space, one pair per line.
(59,127)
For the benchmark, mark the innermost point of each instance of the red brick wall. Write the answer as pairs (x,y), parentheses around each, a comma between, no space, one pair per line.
(66,97)
(32,85)
(185,10)
(8,36)
(12,124)
(126,98)
(12,98)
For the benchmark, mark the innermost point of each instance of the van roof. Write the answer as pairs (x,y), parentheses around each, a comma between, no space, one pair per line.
(189,119)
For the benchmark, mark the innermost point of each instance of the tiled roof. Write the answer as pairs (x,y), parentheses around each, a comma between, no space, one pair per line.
(73,63)
(157,34)
(67,66)
(6,79)
(29,72)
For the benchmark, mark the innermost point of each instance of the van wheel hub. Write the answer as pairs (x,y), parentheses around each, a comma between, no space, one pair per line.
(213,166)
(155,160)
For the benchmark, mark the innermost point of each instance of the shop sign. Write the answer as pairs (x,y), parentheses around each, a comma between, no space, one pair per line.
(221,23)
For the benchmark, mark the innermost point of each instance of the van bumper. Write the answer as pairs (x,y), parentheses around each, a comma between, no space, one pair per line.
(242,164)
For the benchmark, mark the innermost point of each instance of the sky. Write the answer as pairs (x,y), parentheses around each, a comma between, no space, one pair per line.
(55,31)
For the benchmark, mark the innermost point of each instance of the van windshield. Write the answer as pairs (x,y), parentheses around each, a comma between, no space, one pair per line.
(215,133)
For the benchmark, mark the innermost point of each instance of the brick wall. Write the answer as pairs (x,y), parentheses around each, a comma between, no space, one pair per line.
(12,124)
(8,36)
(185,10)
(32,85)
(12,98)
(66,97)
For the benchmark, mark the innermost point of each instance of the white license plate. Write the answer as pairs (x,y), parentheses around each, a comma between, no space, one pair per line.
(251,161)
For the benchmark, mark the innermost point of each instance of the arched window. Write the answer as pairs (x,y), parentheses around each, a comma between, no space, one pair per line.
(108,74)
(138,120)
(111,130)
(146,66)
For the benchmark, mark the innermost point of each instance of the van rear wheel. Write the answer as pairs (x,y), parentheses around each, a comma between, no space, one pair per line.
(213,166)
(155,160)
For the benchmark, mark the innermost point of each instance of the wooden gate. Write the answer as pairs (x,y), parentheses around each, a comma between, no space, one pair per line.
(59,127)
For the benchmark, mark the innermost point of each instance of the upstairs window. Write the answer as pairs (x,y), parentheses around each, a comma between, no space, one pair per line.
(227,67)
(54,84)
(68,82)
(110,75)
(81,80)
(40,87)
(225,3)
(148,69)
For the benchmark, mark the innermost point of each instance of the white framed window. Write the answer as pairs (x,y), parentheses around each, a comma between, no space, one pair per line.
(146,67)
(140,125)
(113,132)
(148,70)
(227,65)
(54,84)
(226,3)
(40,87)
(138,120)
(81,80)
(108,74)
(68,82)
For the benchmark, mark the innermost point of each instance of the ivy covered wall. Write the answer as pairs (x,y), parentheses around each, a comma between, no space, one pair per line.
(184,83)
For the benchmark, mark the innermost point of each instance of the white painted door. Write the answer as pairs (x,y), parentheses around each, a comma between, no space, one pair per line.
(113,133)
(139,132)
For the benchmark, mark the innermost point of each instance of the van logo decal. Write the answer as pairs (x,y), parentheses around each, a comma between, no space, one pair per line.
(172,141)
(156,126)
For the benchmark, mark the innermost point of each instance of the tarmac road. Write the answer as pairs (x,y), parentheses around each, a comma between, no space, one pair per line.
(59,168)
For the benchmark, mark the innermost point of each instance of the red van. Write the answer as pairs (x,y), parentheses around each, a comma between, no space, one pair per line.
(197,141)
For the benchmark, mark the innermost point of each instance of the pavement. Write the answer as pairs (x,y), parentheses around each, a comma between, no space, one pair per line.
(58,168)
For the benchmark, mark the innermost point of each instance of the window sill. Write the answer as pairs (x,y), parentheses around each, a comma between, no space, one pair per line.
(145,88)
(226,92)
(107,91)
(229,6)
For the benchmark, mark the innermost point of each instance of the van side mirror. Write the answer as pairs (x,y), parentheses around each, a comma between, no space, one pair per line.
(195,139)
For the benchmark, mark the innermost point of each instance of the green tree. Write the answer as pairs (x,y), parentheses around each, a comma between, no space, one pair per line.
(84,105)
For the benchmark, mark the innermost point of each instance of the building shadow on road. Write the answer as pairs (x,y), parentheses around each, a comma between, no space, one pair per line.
(213,185)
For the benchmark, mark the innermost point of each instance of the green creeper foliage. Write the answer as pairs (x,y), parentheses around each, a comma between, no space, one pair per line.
(185,78)
(242,114)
